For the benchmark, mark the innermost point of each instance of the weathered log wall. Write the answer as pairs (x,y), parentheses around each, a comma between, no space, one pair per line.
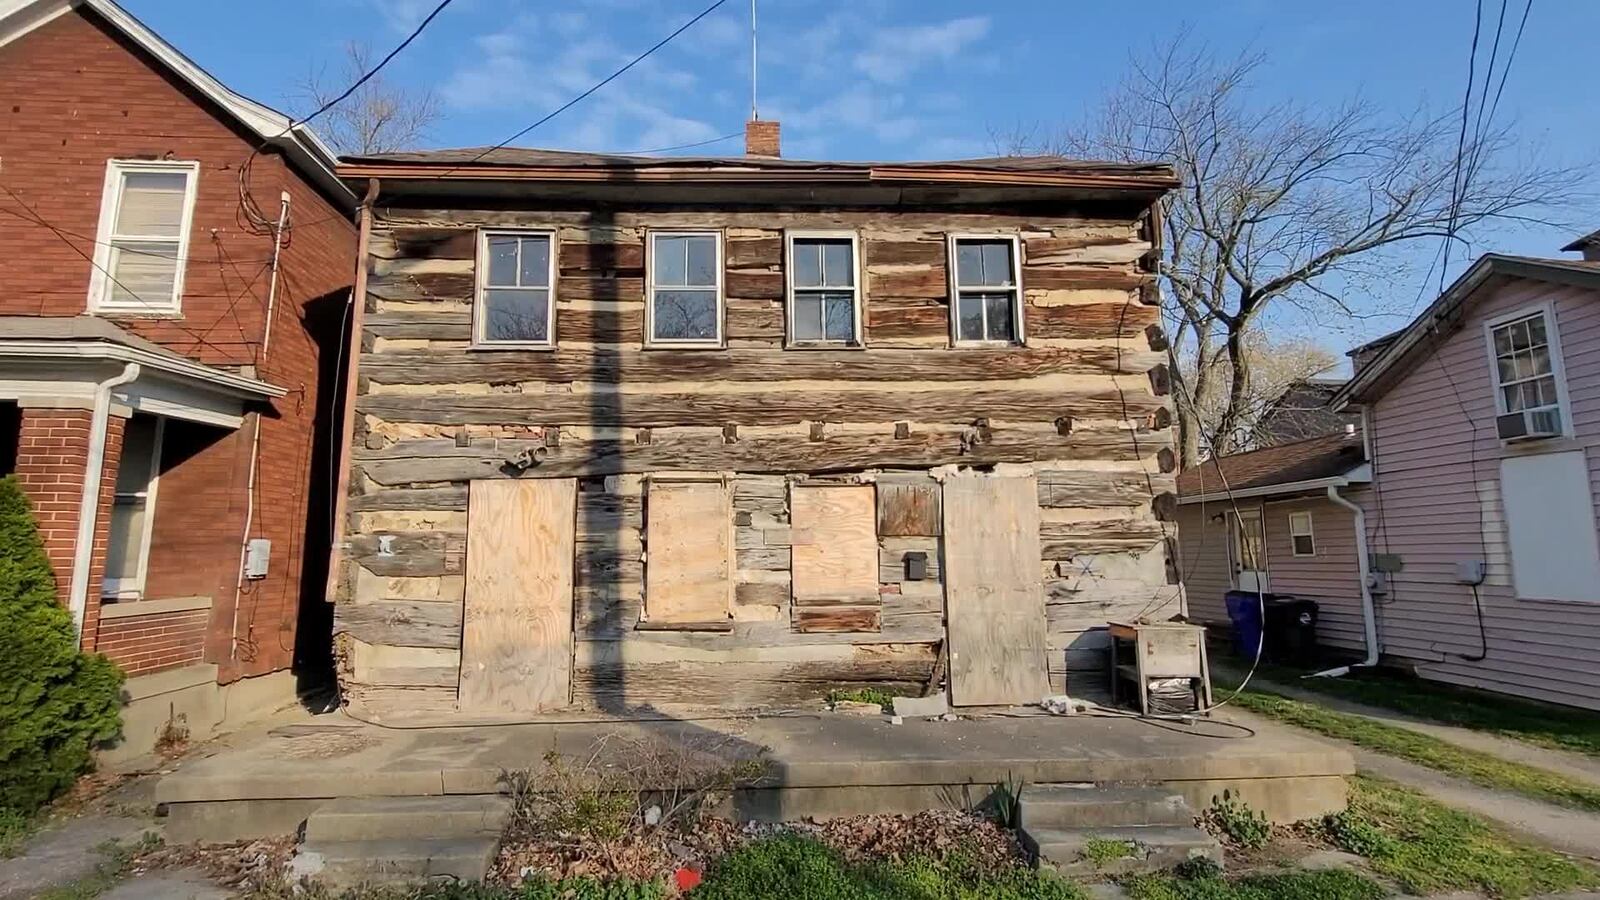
(1081,404)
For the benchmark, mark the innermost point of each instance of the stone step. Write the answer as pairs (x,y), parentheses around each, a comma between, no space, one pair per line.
(394,818)
(342,864)
(1094,851)
(1063,806)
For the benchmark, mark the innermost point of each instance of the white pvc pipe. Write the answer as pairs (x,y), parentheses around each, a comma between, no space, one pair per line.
(89,501)
(1369,611)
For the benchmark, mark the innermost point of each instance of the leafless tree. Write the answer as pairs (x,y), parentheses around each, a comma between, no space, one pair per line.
(1277,197)
(1276,364)
(377,118)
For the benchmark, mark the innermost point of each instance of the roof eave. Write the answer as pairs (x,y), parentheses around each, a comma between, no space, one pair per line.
(93,349)
(1361,474)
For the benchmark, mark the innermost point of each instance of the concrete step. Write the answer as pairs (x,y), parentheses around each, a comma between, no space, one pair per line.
(342,864)
(1063,806)
(394,818)
(1093,851)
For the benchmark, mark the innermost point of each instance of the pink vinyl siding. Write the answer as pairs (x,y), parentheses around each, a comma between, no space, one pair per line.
(1330,577)
(1436,502)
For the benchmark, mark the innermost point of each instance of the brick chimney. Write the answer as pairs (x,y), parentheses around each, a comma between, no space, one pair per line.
(761,138)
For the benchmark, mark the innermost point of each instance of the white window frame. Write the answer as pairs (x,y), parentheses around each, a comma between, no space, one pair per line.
(650,288)
(1309,532)
(1018,333)
(856,341)
(480,285)
(1557,367)
(100,280)
(131,589)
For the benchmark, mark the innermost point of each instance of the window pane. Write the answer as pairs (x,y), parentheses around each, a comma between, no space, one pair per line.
(1513,397)
(1519,335)
(515,315)
(138,450)
(143,273)
(837,268)
(125,540)
(1523,364)
(1508,368)
(999,317)
(502,260)
(841,321)
(1547,390)
(702,260)
(671,260)
(686,315)
(1502,340)
(1536,330)
(1539,361)
(1302,545)
(969,320)
(151,204)
(535,270)
(808,317)
(807,264)
(983,263)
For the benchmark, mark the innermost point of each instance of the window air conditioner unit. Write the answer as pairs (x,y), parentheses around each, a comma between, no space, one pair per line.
(1529,424)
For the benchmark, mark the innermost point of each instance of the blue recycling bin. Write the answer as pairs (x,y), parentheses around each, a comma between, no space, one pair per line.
(1244,611)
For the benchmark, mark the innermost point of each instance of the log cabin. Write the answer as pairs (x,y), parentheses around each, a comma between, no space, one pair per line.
(634,432)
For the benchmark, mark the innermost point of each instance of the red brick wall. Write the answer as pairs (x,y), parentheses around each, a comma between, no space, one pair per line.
(52,455)
(144,644)
(77,94)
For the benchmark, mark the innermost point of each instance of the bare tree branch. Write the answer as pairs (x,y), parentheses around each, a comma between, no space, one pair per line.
(379,117)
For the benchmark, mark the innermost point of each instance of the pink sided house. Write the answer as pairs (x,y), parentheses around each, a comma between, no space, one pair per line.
(1454,533)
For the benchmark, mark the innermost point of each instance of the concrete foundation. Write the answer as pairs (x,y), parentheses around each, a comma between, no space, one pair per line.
(818,765)
(188,704)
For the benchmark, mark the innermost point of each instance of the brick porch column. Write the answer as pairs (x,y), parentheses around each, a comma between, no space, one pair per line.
(52,457)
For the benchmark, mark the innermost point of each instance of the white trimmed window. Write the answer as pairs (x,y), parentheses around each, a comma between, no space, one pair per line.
(824,288)
(146,211)
(985,289)
(133,508)
(684,295)
(1301,534)
(1527,365)
(515,303)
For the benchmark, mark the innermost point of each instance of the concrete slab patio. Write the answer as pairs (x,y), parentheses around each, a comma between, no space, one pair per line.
(818,765)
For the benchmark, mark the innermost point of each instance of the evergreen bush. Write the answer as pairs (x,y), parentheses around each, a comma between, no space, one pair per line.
(56,703)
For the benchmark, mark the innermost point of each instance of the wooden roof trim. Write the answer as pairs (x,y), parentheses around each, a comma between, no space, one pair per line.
(426,172)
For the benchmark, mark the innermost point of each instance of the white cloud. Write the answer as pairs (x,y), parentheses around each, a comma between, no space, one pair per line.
(892,54)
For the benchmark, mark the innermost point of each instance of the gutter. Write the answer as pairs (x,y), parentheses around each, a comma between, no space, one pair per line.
(160,362)
(358,303)
(89,500)
(1369,611)
(1354,476)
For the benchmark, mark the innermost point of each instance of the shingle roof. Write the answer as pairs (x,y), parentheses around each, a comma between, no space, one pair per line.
(1327,456)
(1592,237)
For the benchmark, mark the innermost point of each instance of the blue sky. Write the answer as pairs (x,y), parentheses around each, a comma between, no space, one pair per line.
(900,79)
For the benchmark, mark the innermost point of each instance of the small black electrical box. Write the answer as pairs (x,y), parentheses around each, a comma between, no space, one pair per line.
(916,565)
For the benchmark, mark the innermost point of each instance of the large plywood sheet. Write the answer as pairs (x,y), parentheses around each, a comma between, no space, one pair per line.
(994,602)
(835,544)
(689,542)
(516,635)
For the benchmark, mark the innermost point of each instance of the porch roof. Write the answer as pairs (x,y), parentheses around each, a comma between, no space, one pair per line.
(1311,464)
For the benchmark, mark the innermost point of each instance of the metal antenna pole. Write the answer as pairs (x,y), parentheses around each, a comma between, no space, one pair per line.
(754,115)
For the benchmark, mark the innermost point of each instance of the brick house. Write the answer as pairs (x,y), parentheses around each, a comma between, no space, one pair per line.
(173,282)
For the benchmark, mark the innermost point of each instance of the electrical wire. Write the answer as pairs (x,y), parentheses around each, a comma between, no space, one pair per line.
(715,140)
(585,94)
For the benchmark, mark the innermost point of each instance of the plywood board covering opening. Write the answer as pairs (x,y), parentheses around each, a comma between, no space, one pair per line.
(516,633)
(993,596)
(689,547)
(835,562)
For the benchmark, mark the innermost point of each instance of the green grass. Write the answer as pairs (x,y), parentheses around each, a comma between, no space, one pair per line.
(1099,850)
(864,695)
(14,831)
(1428,848)
(1480,768)
(786,868)
(1331,884)
(1543,725)
(114,860)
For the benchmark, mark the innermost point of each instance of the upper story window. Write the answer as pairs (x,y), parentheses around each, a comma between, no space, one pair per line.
(1527,366)
(684,293)
(146,212)
(1301,534)
(515,300)
(986,292)
(824,289)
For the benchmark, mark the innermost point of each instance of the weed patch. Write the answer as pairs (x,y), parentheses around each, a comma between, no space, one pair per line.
(1233,817)
(1331,884)
(1428,848)
(1479,768)
(14,830)
(863,695)
(1100,851)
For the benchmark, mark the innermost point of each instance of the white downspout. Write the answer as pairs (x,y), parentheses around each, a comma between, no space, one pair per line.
(89,501)
(1369,612)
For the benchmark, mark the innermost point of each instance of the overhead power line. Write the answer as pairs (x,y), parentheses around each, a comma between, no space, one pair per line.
(706,143)
(595,87)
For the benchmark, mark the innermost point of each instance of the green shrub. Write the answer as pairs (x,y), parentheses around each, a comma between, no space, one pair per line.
(55,702)
(1243,825)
